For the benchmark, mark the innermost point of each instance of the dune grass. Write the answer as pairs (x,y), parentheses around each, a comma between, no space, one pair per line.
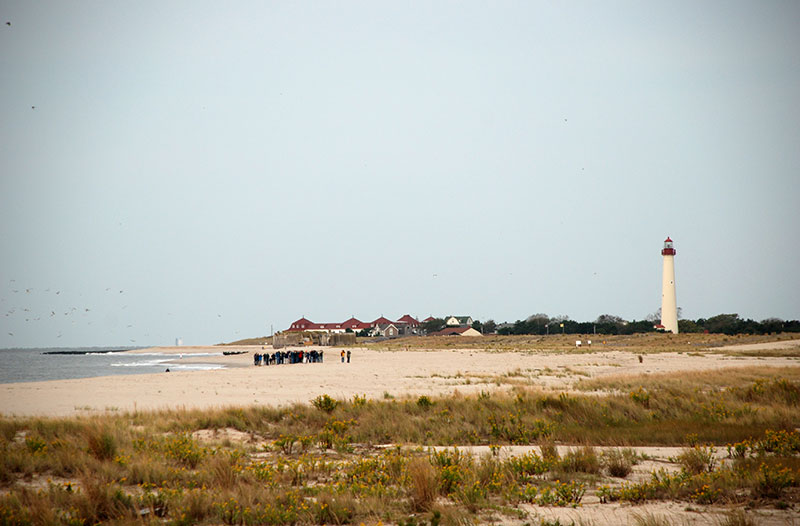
(646,343)
(323,463)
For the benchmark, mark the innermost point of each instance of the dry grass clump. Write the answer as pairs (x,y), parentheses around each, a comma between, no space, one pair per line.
(619,462)
(697,460)
(737,518)
(423,484)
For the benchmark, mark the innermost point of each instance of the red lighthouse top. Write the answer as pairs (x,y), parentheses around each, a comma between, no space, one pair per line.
(668,250)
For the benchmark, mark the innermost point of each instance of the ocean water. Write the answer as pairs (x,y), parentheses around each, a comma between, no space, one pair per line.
(33,365)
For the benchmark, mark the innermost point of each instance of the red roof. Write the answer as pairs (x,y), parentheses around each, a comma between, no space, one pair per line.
(668,240)
(409,320)
(303,324)
(355,324)
(429,318)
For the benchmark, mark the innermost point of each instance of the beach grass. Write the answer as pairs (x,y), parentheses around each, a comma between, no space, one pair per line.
(328,462)
(645,343)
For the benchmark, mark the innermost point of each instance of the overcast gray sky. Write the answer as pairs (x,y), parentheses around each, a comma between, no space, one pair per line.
(208,170)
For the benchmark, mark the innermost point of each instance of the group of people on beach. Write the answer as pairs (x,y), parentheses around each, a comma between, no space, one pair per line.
(282,357)
(293,356)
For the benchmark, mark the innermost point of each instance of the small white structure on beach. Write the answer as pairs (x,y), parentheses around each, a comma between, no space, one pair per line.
(669,301)
(178,342)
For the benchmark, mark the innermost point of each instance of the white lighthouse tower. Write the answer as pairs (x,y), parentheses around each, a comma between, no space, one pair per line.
(669,302)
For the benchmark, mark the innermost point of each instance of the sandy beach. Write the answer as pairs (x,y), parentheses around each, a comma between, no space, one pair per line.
(376,374)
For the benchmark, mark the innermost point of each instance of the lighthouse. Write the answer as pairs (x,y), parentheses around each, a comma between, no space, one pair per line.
(669,303)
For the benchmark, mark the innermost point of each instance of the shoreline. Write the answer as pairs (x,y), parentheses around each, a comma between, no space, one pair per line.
(371,373)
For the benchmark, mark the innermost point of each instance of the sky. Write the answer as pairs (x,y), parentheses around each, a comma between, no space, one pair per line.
(213,171)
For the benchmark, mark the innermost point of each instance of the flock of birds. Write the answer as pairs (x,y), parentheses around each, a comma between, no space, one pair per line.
(23,303)
(51,307)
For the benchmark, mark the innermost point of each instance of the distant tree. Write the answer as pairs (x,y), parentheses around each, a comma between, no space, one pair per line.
(489,326)
(477,325)
(654,317)
(724,323)
(365,333)
(634,327)
(770,325)
(538,317)
(610,319)
(434,325)
(609,324)
(689,326)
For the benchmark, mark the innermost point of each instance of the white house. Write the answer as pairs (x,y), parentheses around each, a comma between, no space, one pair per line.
(458,321)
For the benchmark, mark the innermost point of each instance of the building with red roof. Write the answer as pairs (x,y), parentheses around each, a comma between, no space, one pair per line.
(381,321)
(382,326)
(409,320)
(355,325)
(303,324)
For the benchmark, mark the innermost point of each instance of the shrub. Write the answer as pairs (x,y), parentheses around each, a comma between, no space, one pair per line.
(549,452)
(697,460)
(583,460)
(641,396)
(525,468)
(35,445)
(184,449)
(618,463)
(325,403)
(424,402)
(562,494)
(772,481)
(781,442)
(285,443)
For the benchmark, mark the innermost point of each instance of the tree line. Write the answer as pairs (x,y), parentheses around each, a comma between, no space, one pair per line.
(543,324)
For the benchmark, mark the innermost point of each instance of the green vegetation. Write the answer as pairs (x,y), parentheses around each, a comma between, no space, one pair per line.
(323,462)
(609,324)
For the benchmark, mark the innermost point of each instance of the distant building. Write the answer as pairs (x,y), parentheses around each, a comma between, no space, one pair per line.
(387,330)
(355,325)
(457,331)
(407,325)
(458,321)
(410,321)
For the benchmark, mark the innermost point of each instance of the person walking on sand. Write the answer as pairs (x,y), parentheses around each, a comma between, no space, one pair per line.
(348,355)
(342,355)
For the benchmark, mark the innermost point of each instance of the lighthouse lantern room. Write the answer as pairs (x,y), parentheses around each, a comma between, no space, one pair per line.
(669,248)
